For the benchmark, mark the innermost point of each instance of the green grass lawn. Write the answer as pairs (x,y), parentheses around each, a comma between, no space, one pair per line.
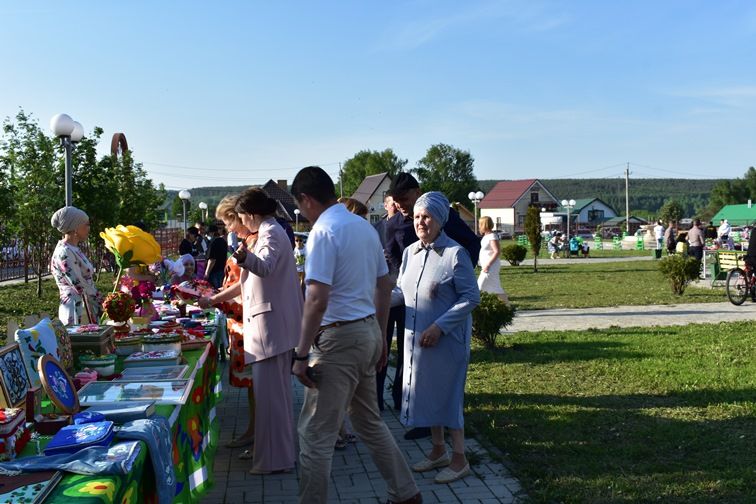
(18,301)
(592,285)
(626,415)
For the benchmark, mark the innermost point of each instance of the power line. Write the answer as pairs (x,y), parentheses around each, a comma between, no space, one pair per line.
(596,170)
(686,174)
(240,170)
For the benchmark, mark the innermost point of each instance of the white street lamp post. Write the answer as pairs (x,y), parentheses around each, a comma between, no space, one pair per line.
(569,205)
(70,133)
(476,198)
(296,218)
(203,206)
(184,195)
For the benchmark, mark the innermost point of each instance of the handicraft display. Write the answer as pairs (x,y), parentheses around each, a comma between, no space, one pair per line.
(58,385)
(160,358)
(162,392)
(14,380)
(153,373)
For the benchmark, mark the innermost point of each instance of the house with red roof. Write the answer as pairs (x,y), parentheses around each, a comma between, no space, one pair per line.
(508,202)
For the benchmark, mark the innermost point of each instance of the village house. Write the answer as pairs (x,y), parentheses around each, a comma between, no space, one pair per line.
(371,192)
(508,202)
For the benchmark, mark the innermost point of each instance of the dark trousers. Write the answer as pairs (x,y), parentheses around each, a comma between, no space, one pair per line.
(696,251)
(216,278)
(395,319)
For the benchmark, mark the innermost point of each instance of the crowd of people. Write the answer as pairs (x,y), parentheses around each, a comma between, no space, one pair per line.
(327,313)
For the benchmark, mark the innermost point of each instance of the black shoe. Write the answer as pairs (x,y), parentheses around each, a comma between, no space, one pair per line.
(418,433)
(415,499)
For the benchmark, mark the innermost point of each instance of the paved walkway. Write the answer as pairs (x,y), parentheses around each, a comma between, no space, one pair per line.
(631,316)
(354,477)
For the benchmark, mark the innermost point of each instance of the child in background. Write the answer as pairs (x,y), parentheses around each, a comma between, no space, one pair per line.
(300,254)
(183,269)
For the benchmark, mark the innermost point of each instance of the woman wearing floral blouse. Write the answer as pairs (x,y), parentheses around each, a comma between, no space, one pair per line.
(80,301)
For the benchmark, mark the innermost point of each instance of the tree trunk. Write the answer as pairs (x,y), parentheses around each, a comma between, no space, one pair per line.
(535,263)
(26,264)
(39,279)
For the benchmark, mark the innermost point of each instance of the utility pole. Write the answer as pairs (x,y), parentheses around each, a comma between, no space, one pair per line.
(627,198)
(341,182)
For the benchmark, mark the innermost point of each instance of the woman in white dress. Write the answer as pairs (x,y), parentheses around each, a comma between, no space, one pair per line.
(490,265)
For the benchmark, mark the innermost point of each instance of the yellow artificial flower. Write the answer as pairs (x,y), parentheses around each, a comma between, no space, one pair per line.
(146,249)
(123,239)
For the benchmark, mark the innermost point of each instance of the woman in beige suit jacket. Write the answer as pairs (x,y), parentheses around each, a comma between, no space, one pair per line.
(272,302)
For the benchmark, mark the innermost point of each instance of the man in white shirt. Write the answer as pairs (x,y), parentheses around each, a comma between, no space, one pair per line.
(343,326)
(723,233)
(659,235)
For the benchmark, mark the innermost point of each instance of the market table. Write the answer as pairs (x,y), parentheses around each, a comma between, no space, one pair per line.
(194,427)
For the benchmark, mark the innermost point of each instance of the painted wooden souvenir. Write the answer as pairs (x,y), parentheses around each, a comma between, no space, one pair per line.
(14,380)
(58,385)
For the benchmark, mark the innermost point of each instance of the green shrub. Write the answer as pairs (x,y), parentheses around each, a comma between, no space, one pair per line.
(490,317)
(680,270)
(514,253)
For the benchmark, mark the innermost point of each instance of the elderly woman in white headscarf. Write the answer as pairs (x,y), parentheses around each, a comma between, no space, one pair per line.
(182,269)
(80,301)
(440,291)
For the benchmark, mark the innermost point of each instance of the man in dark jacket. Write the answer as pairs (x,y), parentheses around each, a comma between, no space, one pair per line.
(400,233)
(189,244)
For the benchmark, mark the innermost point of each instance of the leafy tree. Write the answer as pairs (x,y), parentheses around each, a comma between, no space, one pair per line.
(32,170)
(533,231)
(95,184)
(731,192)
(29,156)
(139,198)
(449,170)
(367,162)
(671,211)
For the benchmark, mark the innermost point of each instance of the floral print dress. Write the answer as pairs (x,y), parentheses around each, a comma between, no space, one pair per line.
(239,374)
(80,301)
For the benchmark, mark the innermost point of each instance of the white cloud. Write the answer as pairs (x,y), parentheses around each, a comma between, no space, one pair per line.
(731,96)
(524,16)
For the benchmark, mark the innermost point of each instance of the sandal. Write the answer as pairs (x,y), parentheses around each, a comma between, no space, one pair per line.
(341,444)
(246,455)
(351,438)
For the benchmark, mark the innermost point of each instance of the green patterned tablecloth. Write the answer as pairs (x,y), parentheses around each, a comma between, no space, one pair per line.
(195,437)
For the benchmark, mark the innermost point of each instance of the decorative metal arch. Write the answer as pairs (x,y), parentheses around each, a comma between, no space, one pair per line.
(118,145)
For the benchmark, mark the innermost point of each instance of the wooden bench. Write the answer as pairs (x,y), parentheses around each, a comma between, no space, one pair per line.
(726,260)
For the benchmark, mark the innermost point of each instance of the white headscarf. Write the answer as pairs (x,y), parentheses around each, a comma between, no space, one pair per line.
(436,204)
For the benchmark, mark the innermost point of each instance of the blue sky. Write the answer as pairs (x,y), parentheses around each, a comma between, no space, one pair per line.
(232,93)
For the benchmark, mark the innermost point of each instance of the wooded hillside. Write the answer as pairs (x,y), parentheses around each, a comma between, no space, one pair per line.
(646,195)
